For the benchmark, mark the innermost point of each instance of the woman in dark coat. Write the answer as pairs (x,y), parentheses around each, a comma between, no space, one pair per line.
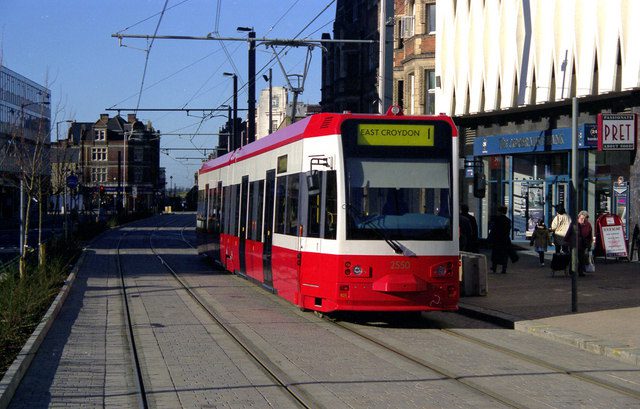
(500,240)
(585,239)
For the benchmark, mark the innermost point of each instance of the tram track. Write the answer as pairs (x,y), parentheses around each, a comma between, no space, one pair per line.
(302,396)
(277,374)
(554,368)
(131,339)
(279,377)
(542,363)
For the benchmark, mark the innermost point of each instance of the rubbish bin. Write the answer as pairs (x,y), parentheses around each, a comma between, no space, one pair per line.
(474,274)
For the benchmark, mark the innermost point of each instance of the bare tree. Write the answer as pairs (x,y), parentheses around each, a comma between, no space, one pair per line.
(30,153)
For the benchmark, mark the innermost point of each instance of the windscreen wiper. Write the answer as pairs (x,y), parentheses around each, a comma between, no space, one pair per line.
(380,232)
(392,243)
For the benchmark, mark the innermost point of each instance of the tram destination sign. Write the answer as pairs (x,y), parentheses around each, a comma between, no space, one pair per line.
(395,135)
(617,132)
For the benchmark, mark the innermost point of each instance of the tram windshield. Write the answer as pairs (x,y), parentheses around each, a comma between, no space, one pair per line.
(398,199)
(398,178)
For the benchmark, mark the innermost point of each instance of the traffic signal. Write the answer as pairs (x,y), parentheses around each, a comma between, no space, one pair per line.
(101,190)
(479,185)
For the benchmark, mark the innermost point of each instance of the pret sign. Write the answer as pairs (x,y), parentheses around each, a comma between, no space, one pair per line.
(616,132)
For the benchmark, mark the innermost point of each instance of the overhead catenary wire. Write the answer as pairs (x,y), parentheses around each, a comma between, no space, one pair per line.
(146,60)
(287,44)
(152,16)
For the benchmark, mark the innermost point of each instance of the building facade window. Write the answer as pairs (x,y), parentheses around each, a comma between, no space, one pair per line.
(407,26)
(412,94)
(430,91)
(430,18)
(98,175)
(138,154)
(99,154)
(138,175)
(101,134)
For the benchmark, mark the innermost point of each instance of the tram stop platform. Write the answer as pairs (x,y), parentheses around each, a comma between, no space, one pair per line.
(529,298)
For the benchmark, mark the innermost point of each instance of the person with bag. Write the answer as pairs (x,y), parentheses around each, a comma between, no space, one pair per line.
(559,226)
(540,239)
(500,240)
(585,239)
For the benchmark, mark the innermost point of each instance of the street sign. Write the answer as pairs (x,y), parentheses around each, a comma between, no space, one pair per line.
(134,191)
(617,132)
(72,181)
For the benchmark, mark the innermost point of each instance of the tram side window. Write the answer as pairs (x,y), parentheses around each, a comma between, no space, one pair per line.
(331,206)
(211,209)
(217,209)
(287,201)
(256,199)
(321,206)
(225,209)
(201,206)
(314,215)
(293,189)
(281,203)
(235,198)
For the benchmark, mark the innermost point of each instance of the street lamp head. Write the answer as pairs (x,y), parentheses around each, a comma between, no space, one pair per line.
(229,74)
(266,77)
(244,28)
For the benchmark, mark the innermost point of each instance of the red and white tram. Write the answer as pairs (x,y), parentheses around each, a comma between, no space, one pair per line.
(340,212)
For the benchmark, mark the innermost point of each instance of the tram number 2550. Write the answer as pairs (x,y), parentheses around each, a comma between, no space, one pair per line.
(400,265)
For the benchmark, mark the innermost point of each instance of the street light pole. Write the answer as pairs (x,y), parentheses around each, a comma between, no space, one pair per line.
(124,173)
(234,131)
(270,80)
(574,216)
(251,103)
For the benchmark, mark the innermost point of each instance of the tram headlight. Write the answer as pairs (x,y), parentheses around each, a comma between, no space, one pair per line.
(357,270)
(442,270)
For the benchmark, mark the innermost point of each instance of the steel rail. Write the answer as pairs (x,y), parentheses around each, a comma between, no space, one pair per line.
(271,369)
(142,395)
(498,348)
(545,364)
(421,362)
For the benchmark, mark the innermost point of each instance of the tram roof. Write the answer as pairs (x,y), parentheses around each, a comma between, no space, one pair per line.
(312,126)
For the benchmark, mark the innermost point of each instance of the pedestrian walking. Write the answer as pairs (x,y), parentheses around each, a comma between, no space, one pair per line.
(500,240)
(472,240)
(585,239)
(559,226)
(540,239)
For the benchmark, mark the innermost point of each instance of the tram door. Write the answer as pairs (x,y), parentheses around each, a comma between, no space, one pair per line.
(244,201)
(269,200)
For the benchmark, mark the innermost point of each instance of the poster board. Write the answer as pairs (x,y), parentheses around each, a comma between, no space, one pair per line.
(612,236)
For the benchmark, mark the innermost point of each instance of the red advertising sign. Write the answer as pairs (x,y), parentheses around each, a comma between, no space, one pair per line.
(617,132)
(612,238)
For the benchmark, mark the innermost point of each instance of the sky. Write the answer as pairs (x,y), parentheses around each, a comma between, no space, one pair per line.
(67,45)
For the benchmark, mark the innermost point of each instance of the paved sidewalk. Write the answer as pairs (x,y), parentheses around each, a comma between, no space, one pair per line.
(529,299)
(84,361)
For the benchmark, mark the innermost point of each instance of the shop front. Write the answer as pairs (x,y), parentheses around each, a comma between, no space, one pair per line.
(530,173)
